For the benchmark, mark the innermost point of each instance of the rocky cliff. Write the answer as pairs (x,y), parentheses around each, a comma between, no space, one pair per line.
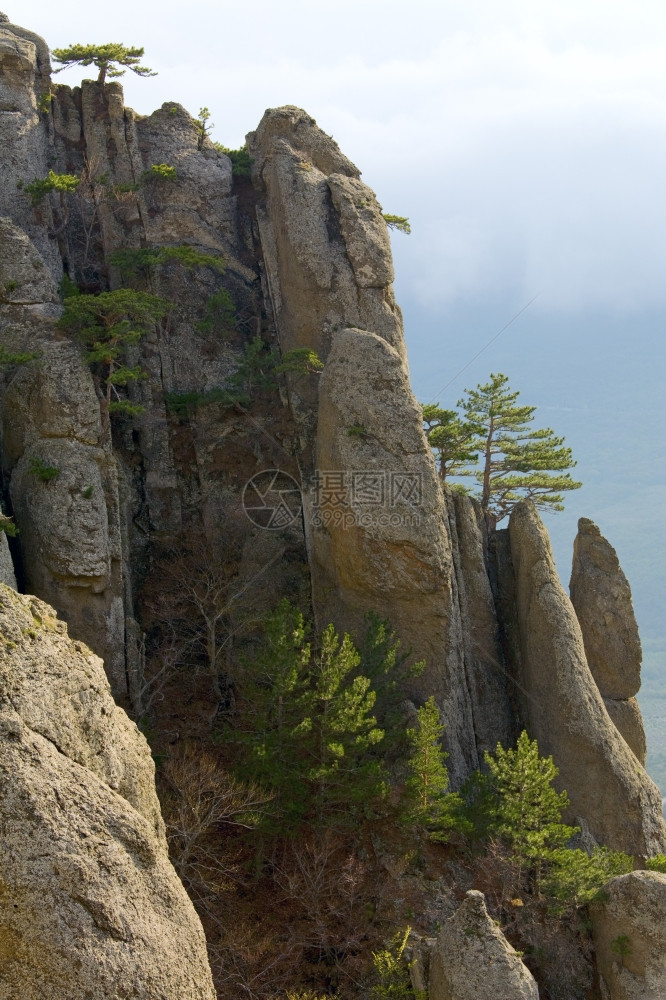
(89,903)
(138,505)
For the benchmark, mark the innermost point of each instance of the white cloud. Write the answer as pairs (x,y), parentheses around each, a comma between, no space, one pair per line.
(523,139)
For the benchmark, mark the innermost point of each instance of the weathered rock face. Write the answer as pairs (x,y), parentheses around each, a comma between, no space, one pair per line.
(7,575)
(325,243)
(378,541)
(626,717)
(25,75)
(601,597)
(564,710)
(25,279)
(89,903)
(308,261)
(69,524)
(485,667)
(472,960)
(629,929)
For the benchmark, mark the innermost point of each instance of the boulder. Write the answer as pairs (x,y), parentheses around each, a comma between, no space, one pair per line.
(629,930)
(89,902)
(564,710)
(472,960)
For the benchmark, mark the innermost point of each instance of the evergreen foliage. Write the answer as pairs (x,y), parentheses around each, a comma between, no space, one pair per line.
(185,404)
(41,470)
(160,171)
(106,325)
(108,59)
(400,222)
(67,287)
(204,126)
(307,725)
(390,671)
(428,806)
(241,164)
(7,525)
(63,183)
(392,980)
(140,261)
(517,461)
(522,808)
(260,365)
(17,357)
(300,361)
(219,313)
(452,440)
(572,877)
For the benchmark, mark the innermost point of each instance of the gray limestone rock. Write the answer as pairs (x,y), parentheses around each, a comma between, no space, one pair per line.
(472,960)
(7,575)
(325,244)
(601,597)
(563,708)
(25,278)
(382,544)
(69,524)
(59,689)
(25,75)
(629,930)
(485,670)
(626,716)
(89,903)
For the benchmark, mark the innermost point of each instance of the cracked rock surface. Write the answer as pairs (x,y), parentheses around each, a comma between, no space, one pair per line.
(89,902)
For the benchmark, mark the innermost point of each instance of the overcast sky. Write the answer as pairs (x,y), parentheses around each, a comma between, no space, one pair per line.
(526,141)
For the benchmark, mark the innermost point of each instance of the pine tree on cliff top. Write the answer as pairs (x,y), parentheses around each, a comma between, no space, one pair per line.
(517,462)
(107,58)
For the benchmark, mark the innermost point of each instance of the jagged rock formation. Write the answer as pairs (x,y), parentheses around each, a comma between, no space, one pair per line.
(563,708)
(308,265)
(325,244)
(472,960)
(385,545)
(629,928)
(70,530)
(89,903)
(601,597)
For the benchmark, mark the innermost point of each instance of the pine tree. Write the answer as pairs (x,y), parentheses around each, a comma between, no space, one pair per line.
(107,58)
(106,325)
(524,810)
(390,671)
(452,439)
(429,807)
(517,461)
(307,727)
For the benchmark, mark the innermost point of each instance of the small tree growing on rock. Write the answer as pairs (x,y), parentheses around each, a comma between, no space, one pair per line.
(106,325)
(107,58)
